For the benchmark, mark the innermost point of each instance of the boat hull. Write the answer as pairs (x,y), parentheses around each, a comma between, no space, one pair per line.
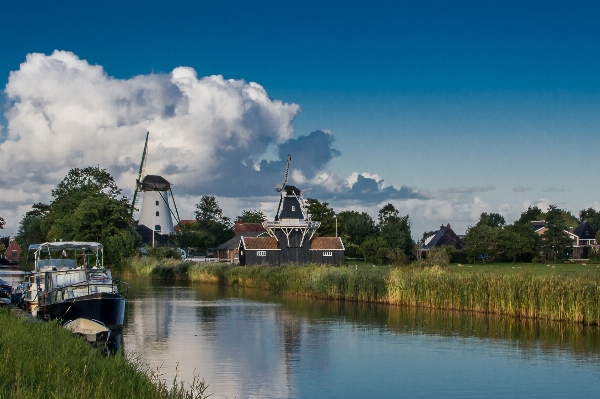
(108,308)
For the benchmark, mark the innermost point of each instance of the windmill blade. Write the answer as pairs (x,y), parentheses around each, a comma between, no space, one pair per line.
(138,182)
(278,208)
(280,188)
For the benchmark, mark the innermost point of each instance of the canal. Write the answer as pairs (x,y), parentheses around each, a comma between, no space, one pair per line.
(250,344)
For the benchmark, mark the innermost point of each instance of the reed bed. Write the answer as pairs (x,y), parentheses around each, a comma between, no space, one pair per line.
(549,297)
(46,361)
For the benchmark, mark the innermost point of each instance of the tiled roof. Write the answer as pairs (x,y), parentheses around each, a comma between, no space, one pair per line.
(240,228)
(182,223)
(259,242)
(326,243)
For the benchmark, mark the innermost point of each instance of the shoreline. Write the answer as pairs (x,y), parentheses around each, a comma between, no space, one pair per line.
(546,297)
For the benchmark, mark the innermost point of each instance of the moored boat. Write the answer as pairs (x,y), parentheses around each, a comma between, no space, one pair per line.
(92,330)
(60,288)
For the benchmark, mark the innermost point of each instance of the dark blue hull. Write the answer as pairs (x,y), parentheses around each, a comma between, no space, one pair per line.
(108,308)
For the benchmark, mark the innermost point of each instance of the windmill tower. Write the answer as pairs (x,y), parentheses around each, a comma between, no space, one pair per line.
(292,227)
(156,210)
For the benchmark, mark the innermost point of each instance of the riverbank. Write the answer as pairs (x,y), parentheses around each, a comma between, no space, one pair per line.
(46,361)
(550,296)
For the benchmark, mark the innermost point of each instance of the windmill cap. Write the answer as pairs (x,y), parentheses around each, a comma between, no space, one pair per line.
(155,183)
(291,190)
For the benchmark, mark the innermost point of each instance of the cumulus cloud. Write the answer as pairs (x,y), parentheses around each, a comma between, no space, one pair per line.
(208,136)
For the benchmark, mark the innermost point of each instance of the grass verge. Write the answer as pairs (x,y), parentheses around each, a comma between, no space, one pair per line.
(46,361)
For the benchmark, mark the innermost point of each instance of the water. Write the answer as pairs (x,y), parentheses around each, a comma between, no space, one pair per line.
(248,344)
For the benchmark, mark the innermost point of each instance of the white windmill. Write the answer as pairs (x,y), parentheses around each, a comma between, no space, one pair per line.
(156,211)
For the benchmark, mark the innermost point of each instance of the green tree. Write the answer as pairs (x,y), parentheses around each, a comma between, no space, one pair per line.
(355,228)
(518,241)
(321,212)
(531,214)
(376,250)
(591,216)
(256,216)
(208,209)
(395,229)
(98,217)
(491,219)
(78,185)
(555,239)
(481,240)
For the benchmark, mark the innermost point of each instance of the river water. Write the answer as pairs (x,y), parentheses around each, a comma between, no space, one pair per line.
(249,344)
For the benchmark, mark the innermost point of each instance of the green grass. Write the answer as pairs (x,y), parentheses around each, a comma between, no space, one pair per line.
(538,269)
(46,361)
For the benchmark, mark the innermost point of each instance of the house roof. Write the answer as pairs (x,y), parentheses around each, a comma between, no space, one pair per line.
(444,236)
(234,243)
(240,227)
(177,227)
(585,232)
(328,243)
(259,242)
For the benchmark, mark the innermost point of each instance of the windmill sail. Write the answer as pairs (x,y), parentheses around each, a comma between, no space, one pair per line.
(141,173)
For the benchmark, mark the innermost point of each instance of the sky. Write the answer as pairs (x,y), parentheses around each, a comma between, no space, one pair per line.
(445,109)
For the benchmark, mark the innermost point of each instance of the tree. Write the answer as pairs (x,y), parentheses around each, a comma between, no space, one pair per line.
(481,240)
(78,185)
(395,229)
(518,241)
(211,228)
(321,212)
(2,222)
(531,214)
(208,209)
(98,217)
(491,219)
(251,217)
(355,226)
(592,217)
(555,239)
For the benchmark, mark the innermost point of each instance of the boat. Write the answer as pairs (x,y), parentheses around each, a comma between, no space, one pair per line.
(62,288)
(92,330)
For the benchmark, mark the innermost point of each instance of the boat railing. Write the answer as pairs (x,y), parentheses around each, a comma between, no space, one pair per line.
(79,289)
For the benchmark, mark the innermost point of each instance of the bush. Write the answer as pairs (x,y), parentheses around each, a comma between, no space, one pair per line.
(437,256)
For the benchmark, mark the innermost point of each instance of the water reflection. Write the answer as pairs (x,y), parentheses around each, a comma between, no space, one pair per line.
(249,344)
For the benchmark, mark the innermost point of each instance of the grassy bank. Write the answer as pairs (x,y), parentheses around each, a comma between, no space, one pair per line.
(548,296)
(46,361)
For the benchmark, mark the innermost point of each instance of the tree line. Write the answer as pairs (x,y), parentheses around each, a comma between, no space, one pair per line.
(87,205)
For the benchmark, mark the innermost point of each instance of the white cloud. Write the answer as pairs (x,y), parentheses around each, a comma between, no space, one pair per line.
(67,113)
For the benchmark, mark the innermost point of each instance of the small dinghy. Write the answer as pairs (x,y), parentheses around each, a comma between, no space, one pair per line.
(92,330)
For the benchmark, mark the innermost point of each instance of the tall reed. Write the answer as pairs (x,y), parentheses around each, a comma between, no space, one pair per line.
(550,297)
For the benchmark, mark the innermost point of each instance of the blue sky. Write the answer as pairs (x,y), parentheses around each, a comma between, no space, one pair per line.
(476,106)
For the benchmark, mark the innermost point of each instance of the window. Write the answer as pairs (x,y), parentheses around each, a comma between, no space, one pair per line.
(14,253)
(157,214)
(327,253)
(293,208)
(157,228)
(156,203)
(261,253)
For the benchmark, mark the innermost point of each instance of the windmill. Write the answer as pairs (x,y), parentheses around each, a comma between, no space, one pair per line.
(292,219)
(156,211)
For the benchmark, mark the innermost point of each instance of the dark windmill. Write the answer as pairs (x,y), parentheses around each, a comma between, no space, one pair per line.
(291,235)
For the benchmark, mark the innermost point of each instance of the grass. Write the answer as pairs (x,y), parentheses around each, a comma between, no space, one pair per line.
(567,292)
(46,361)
